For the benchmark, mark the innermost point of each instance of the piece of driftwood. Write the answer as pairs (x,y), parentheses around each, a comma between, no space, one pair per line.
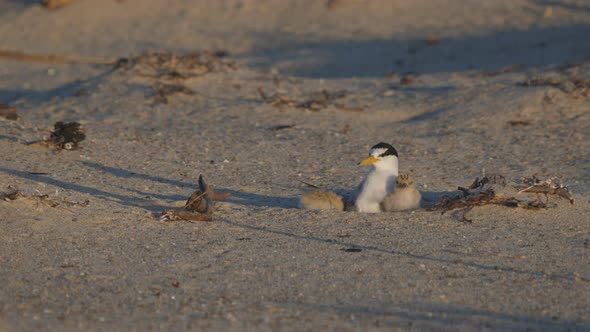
(198,207)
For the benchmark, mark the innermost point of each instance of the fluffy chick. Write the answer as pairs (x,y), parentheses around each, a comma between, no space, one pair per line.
(321,200)
(405,196)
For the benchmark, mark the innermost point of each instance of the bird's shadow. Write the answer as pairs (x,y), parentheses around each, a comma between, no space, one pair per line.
(432,198)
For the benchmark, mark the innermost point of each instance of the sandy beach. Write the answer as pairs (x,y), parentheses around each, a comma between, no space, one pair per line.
(277,96)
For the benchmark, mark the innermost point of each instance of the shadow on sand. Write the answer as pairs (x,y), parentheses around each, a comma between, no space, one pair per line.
(450,316)
(237,197)
(536,47)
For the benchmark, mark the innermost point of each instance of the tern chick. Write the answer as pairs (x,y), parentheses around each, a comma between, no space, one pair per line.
(404,197)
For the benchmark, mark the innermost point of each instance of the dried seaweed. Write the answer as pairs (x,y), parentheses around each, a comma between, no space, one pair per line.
(573,86)
(14,55)
(408,79)
(483,192)
(168,66)
(166,71)
(165,91)
(316,102)
(7,112)
(15,194)
(551,186)
(65,136)
(198,207)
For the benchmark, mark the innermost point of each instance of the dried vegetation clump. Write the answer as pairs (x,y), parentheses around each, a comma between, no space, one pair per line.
(167,71)
(15,194)
(573,86)
(198,207)
(65,136)
(168,66)
(493,190)
(316,102)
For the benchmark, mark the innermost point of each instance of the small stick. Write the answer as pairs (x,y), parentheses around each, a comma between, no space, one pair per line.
(309,184)
(52,58)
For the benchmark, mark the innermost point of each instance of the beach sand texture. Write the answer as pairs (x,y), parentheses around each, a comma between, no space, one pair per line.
(459,87)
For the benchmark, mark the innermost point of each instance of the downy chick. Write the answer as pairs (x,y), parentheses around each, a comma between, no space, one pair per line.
(404,197)
(321,200)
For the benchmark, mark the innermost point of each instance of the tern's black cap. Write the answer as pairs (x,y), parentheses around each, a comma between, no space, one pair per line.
(389,149)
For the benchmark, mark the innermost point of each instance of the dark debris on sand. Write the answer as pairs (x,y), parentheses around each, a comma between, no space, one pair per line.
(489,190)
(8,112)
(316,102)
(167,71)
(66,136)
(572,86)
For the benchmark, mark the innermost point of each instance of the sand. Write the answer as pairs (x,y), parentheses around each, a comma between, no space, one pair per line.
(263,264)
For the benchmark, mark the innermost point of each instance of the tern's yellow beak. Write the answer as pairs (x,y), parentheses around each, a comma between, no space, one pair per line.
(369,161)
